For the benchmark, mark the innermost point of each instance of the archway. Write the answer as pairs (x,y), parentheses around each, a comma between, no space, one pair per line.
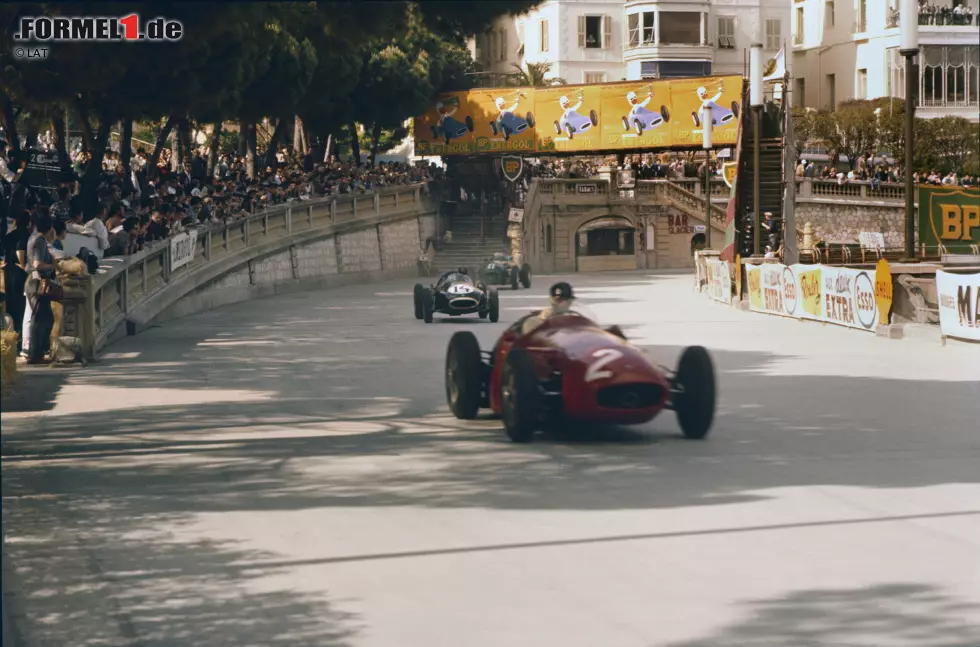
(698,243)
(606,243)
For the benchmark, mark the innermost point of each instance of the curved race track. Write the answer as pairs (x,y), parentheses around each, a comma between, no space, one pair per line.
(285,472)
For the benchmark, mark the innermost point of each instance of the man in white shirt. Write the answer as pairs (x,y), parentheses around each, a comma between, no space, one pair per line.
(97,225)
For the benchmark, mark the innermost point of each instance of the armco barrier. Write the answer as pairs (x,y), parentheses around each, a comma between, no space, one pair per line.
(129,293)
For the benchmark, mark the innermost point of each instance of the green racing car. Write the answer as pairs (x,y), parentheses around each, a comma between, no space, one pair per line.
(500,269)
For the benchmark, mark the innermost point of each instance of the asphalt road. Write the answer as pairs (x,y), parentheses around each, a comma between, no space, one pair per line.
(285,473)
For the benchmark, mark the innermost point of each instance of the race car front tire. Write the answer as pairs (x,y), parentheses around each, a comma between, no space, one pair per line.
(419,291)
(526,276)
(494,298)
(694,402)
(519,396)
(514,278)
(427,305)
(464,375)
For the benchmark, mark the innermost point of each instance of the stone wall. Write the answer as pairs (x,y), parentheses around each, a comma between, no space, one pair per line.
(843,221)
(318,258)
(359,251)
(399,244)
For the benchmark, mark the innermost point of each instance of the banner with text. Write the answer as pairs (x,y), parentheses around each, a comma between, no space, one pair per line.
(624,115)
(959,304)
(182,248)
(836,295)
(949,215)
(719,280)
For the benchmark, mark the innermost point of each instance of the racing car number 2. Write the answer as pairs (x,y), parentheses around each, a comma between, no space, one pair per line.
(597,370)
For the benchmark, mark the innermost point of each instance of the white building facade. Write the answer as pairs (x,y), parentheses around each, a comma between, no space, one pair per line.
(849,50)
(595,41)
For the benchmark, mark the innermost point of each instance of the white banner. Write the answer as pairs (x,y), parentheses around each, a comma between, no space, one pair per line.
(959,304)
(836,295)
(182,248)
(719,280)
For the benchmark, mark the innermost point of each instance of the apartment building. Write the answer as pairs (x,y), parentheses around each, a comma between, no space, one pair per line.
(850,50)
(593,41)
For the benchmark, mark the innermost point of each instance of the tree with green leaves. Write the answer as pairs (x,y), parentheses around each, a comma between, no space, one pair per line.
(534,75)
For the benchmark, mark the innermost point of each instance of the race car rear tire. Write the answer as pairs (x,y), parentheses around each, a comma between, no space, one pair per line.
(514,278)
(526,276)
(695,401)
(494,299)
(427,305)
(464,375)
(419,291)
(519,396)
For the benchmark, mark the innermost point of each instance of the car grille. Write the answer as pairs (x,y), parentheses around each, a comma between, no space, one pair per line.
(630,396)
(463,303)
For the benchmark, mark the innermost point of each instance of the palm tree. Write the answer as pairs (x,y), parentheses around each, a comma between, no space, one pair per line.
(533,75)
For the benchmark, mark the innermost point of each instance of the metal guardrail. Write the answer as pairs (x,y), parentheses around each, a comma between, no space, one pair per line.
(125,283)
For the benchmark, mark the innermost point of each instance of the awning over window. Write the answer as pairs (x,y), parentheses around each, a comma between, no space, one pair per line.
(608,222)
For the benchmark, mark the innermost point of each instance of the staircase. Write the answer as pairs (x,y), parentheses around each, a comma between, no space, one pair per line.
(468,248)
(770,183)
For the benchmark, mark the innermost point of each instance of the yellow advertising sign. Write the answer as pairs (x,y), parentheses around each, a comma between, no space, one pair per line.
(738,276)
(883,290)
(689,97)
(635,114)
(754,278)
(568,118)
(811,290)
(478,121)
(611,116)
(728,171)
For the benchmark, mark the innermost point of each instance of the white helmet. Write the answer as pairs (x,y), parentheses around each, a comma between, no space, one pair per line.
(499,102)
(631,96)
(702,92)
(563,101)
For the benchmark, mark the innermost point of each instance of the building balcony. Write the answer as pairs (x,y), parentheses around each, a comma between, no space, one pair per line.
(659,51)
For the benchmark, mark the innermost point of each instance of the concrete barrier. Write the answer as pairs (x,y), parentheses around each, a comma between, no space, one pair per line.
(301,246)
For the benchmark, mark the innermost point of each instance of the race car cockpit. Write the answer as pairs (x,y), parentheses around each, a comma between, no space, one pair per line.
(454,276)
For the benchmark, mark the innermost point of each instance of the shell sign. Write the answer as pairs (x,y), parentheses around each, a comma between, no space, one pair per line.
(629,115)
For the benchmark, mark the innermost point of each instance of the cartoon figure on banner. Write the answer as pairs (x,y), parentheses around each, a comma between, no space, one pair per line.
(639,117)
(507,121)
(719,115)
(571,121)
(449,128)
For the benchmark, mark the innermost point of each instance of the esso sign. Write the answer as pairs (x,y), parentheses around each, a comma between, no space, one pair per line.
(864,299)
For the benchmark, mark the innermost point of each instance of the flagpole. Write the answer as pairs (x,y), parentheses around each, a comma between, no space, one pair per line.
(791,254)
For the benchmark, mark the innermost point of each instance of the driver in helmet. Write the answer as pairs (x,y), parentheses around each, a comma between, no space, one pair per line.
(561,297)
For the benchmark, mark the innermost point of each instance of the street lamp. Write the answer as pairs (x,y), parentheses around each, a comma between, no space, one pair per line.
(909,48)
(706,144)
(756,100)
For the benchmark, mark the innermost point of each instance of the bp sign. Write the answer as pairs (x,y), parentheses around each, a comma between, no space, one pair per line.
(949,216)
(511,166)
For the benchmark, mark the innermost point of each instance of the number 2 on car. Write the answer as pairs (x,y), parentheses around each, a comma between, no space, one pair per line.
(605,357)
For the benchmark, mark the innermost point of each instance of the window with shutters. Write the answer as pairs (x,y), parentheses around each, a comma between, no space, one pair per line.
(633,29)
(862,84)
(492,46)
(798,37)
(726,32)
(590,32)
(544,35)
(595,77)
(829,14)
(774,34)
(607,32)
(503,44)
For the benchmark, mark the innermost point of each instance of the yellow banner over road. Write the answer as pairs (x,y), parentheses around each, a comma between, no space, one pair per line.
(627,115)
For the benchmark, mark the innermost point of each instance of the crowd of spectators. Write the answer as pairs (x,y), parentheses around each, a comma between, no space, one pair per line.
(879,173)
(933,14)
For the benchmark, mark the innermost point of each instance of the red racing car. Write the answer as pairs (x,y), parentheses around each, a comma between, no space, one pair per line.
(569,369)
